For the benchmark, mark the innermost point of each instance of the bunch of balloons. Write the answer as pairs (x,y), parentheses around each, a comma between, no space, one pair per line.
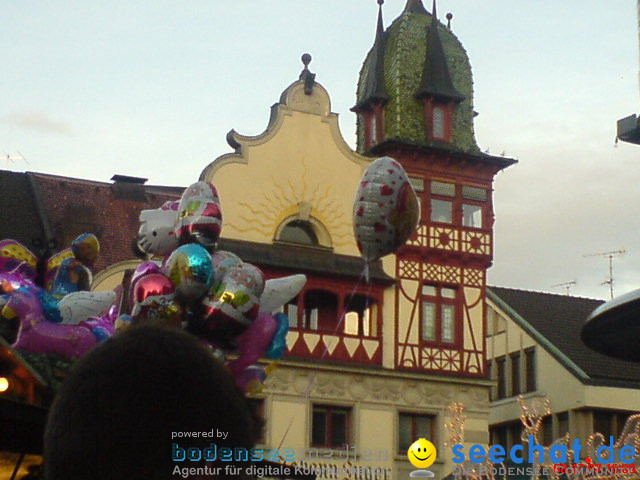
(48,309)
(211,293)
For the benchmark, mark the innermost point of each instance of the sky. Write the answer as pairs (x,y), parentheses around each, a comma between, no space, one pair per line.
(150,88)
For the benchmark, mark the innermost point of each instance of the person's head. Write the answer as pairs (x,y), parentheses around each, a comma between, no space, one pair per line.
(115,414)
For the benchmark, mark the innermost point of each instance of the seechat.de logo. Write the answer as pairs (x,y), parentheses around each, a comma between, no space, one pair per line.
(422,453)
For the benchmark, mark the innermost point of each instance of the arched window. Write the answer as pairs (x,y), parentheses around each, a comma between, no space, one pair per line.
(299,231)
(361,316)
(320,310)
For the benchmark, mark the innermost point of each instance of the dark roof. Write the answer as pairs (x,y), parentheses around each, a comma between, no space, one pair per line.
(436,79)
(18,216)
(415,6)
(555,322)
(302,259)
(374,88)
(110,210)
(388,144)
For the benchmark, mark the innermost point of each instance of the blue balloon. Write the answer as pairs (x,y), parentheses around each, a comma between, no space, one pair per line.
(279,343)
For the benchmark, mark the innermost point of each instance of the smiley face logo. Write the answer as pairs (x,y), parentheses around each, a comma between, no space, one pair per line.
(421,453)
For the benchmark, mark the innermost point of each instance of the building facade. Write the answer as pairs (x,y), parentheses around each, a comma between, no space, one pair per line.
(372,366)
(535,351)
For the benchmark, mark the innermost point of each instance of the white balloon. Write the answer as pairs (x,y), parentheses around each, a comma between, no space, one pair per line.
(156,231)
(78,306)
(278,291)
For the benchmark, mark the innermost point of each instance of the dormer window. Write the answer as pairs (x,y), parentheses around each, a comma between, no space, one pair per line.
(438,123)
(438,120)
(374,125)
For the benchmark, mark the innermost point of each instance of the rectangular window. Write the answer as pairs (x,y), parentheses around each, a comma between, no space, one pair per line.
(311,318)
(547,430)
(443,188)
(602,423)
(474,193)
(360,316)
(413,426)
(428,321)
(563,423)
(417,184)
(490,375)
(515,433)
(439,312)
(439,123)
(448,323)
(530,361)
(501,373)
(330,426)
(619,419)
(291,309)
(441,211)
(515,374)
(471,215)
(498,435)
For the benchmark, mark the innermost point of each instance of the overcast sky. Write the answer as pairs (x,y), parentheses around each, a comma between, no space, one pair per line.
(150,88)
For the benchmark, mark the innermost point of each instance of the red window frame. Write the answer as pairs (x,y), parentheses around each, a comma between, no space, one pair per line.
(415,433)
(457,200)
(297,322)
(440,301)
(429,109)
(375,113)
(330,412)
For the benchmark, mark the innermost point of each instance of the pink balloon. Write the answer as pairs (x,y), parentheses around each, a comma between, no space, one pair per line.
(40,336)
(253,343)
(154,299)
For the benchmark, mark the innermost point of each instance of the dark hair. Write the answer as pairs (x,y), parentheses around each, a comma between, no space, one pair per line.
(114,415)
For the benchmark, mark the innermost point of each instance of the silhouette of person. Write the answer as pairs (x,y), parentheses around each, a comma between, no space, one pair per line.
(115,413)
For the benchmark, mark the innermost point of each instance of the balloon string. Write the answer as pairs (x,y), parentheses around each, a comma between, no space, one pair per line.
(363,275)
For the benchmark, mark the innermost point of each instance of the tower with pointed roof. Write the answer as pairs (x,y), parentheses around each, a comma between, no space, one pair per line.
(415,104)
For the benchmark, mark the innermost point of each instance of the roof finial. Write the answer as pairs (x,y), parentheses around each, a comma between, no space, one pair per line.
(306,60)
(306,76)
(380,29)
(449,17)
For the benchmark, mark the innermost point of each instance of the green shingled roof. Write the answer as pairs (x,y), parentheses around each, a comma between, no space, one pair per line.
(404,63)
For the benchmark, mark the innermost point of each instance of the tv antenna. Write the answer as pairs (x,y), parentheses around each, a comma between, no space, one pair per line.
(610,256)
(15,158)
(565,285)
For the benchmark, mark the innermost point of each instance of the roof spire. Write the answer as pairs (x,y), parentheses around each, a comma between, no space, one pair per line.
(415,6)
(374,89)
(380,30)
(433,10)
(436,79)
